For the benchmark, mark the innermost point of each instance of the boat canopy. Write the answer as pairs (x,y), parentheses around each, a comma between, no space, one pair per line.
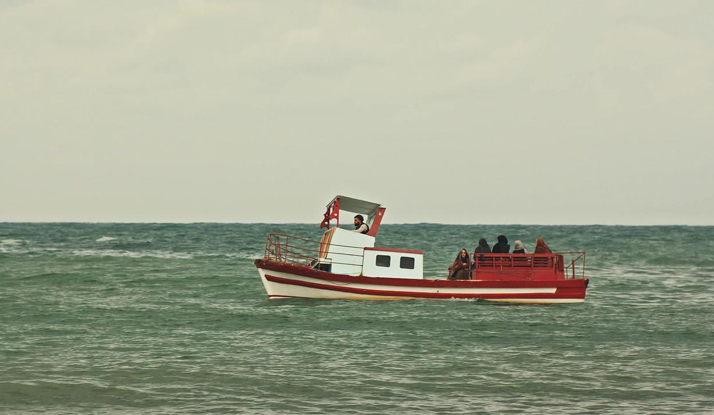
(350,204)
(373,212)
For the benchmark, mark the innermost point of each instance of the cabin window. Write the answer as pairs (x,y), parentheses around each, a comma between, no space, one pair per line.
(383,260)
(406,262)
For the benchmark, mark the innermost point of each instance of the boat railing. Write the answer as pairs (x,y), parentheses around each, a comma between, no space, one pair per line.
(298,250)
(488,262)
(571,264)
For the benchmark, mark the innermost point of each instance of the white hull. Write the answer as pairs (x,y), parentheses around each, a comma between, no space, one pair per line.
(277,290)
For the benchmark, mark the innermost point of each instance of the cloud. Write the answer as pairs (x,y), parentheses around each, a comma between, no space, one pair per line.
(500,65)
(170,100)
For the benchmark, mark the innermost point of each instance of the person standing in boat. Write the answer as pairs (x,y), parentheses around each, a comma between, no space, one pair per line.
(360,226)
(502,247)
(461,266)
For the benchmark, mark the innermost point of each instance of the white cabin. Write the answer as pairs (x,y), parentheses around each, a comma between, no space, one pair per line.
(394,263)
(347,252)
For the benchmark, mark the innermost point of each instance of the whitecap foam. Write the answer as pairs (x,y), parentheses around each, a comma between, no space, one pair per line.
(131,254)
(240,255)
(246,256)
(105,239)
(11,242)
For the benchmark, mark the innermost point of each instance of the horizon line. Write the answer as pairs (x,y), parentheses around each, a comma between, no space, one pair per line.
(317,224)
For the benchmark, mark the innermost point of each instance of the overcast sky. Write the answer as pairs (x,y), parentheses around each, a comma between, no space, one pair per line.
(548,112)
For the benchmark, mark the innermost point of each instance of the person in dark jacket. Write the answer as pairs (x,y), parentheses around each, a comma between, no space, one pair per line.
(482,248)
(360,226)
(461,266)
(502,247)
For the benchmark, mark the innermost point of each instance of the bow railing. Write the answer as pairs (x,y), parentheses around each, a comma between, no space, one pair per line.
(297,250)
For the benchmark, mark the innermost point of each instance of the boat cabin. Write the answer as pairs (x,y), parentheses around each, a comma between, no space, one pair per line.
(395,263)
(344,251)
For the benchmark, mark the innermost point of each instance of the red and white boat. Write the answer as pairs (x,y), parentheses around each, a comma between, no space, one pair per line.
(346,265)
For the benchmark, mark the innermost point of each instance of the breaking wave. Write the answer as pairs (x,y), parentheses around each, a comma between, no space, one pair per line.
(130,254)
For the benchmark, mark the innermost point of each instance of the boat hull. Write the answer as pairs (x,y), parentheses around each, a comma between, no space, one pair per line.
(283,280)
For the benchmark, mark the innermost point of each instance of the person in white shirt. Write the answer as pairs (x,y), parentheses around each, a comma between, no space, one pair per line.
(360,226)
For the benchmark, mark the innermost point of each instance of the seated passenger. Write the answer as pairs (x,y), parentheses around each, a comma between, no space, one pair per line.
(502,246)
(519,248)
(541,247)
(461,266)
(360,226)
(482,248)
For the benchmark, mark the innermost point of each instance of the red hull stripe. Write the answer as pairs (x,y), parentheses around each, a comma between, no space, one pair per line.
(578,284)
(388,293)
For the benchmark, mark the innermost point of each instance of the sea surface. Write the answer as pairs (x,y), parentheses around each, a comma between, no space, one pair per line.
(173,318)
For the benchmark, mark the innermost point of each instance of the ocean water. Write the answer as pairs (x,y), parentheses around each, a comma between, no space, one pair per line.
(172,318)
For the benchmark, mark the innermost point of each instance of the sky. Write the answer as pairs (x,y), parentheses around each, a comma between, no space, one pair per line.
(477,112)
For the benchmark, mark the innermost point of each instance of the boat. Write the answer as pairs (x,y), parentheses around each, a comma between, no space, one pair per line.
(345,264)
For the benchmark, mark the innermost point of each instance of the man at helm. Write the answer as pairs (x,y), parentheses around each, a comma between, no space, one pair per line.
(360,226)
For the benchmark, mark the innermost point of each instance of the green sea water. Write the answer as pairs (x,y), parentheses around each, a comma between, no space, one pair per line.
(173,318)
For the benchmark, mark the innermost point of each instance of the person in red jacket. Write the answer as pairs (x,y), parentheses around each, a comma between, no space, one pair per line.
(461,266)
(542,247)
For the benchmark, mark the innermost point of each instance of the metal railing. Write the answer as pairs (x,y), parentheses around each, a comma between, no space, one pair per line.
(565,262)
(572,259)
(297,250)
(510,262)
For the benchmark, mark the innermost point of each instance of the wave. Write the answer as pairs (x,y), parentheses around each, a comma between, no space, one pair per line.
(232,255)
(131,245)
(118,252)
(9,246)
(123,243)
(131,254)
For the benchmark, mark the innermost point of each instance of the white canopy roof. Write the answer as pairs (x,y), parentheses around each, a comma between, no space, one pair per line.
(355,205)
